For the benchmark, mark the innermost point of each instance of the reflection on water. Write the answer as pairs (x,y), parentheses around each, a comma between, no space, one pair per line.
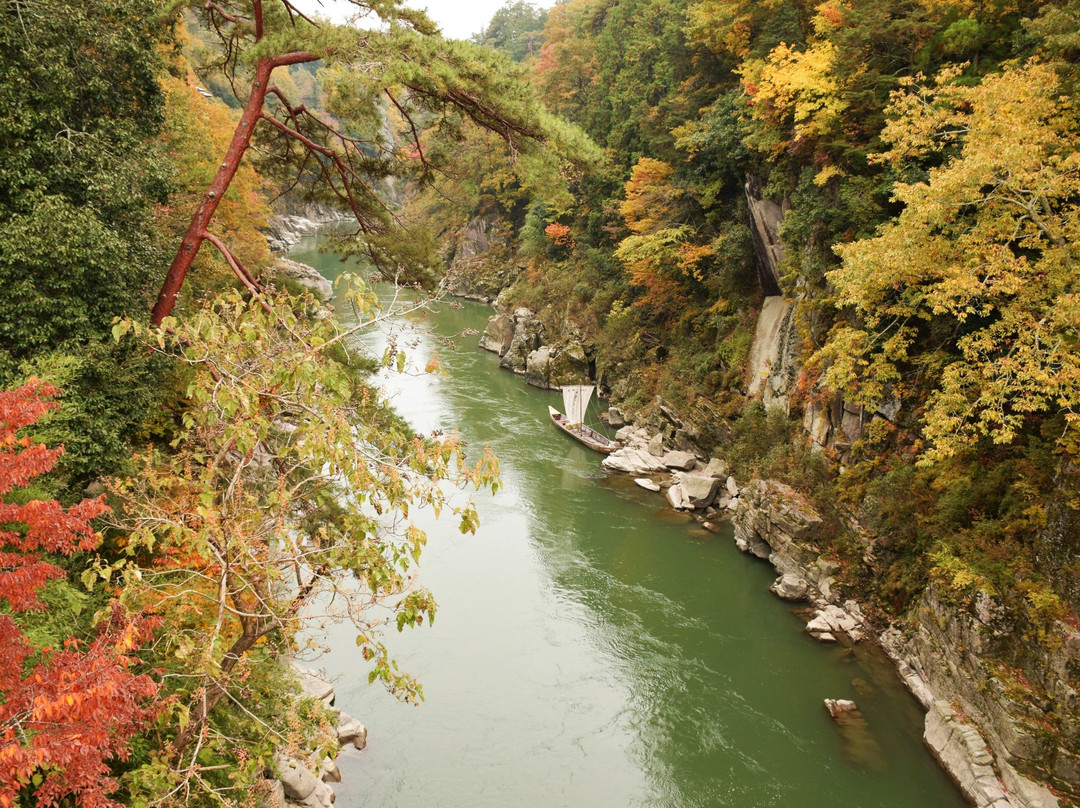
(593,648)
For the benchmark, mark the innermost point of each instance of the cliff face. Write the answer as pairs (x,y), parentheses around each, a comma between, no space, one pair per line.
(986,724)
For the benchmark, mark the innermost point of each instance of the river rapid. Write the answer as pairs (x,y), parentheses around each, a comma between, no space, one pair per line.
(595,649)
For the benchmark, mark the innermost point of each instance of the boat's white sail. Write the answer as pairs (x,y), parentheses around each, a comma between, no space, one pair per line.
(575,399)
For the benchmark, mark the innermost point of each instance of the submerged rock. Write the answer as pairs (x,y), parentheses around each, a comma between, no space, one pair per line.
(837,707)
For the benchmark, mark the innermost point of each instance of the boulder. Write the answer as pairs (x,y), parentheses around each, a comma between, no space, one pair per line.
(833,620)
(330,771)
(498,334)
(350,730)
(647,484)
(717,468)
(677,498)
(314,686)
(615,418)
(296,778)
(790,587)
(633,436)
(656,445)
(306,276)
(700,491)
(732,486)
(633,461)
(679,460)
(838,707)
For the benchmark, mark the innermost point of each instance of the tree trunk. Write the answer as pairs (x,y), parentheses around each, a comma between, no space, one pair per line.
(196,231)
(215,691)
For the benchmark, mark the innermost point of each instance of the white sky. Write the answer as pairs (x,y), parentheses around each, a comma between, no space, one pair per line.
(458,19)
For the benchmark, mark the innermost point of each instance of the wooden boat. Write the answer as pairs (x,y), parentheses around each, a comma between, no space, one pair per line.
(575,400)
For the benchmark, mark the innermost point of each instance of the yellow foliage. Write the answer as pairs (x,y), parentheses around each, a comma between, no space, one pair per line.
(725,26)
(651,200)
(988,242)
(797,89)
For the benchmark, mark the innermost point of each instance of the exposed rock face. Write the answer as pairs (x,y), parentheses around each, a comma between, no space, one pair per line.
(527,337)
(306,276)
(481,266)
(990,737)
(498,334)
(775,522)
(550,367)
(951,658)
(774,354)
(286,229)
(963,752)
(766,216)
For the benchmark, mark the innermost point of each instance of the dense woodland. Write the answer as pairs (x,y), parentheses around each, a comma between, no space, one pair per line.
(166,512)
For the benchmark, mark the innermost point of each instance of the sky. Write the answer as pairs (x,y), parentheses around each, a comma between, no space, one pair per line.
(458,19)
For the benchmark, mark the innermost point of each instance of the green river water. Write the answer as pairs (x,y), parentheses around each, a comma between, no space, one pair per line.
(594,649)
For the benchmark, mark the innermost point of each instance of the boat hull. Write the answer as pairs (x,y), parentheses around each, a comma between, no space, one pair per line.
(583,434)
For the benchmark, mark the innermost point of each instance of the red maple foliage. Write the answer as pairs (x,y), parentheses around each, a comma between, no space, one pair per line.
(64,712)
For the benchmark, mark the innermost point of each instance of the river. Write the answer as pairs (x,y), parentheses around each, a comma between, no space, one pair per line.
(594,649)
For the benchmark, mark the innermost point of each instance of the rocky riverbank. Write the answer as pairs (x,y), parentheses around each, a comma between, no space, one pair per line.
(285,229)
(305,781)
(982,739)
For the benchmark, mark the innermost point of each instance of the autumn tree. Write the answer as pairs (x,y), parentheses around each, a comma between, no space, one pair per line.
(984,254)
(293,485)
(69,704)
(397,65)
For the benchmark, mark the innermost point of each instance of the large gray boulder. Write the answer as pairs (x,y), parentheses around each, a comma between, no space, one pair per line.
(498,334)
(351,731)
(677,498)
(716,468)
(298,780)
(313,685)
(700,491)
(633,461)
(790,587)
(683,461)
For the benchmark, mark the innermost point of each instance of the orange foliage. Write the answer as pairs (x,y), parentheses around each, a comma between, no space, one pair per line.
(65,716)
(560,234)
